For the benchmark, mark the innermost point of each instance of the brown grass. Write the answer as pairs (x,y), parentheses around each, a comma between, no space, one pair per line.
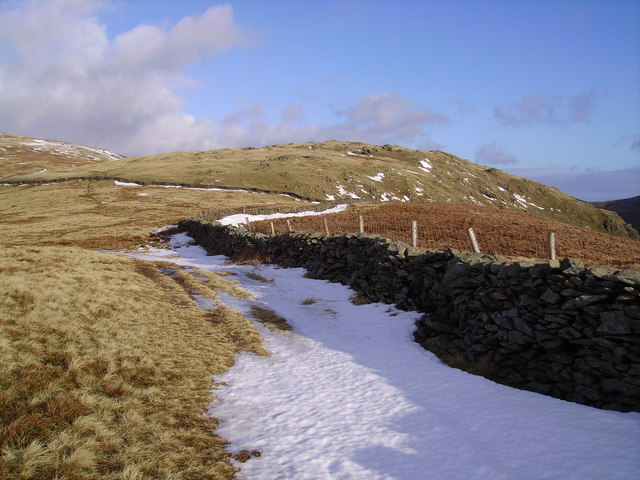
(106,360)
(107,366)
(270,319)
(505,233)
(102,215)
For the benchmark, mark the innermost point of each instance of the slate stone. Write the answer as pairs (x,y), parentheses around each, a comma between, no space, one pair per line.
(614,323)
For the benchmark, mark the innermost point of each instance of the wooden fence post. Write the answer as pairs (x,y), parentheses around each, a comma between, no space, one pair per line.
(289,225)
(248,224)
(551,242)
(273,229)
(326,226)
(414,233)
(361,223)
(473,240)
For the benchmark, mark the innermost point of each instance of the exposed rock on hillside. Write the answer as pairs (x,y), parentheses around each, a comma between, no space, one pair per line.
(627,208)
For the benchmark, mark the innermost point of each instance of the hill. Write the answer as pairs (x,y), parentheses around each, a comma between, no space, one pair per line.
(627,208)
(329,171)
(107,360)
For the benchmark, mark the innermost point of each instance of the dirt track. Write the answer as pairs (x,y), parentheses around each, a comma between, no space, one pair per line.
(504,233)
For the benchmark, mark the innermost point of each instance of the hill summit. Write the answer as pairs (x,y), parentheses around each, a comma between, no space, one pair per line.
(321,171)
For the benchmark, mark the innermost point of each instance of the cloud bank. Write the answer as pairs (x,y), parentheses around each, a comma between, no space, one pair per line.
(590,186)
(62,77)
(545,109)
(494,154)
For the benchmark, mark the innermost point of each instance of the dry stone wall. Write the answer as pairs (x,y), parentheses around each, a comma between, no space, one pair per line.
(555,328)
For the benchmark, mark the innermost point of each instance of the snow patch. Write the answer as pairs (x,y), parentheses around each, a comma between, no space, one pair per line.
(425,165)
(68,149)
(524,203)
(126,184)
(377,178)
(239,218)
(350,395)
(342,191)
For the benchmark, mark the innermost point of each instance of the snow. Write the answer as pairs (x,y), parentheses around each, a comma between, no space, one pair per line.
(523,202)
(377,178)
(425,165)
(358,154)
(216,189)
(342,191)
(69,149)
(239,218)
(349,395)
(126,184)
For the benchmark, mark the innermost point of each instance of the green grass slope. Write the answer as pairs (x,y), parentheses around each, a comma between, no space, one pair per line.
(337,170)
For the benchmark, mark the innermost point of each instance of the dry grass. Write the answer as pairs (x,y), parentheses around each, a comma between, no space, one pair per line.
(257,277)
(270,319)
(322,170)
(106,360)
(102,215)
(107,366)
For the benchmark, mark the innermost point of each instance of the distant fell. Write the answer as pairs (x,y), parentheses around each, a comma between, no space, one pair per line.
(627,208)
(332,170)
(23,156)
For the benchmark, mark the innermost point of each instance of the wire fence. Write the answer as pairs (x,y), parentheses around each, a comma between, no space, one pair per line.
(509,241)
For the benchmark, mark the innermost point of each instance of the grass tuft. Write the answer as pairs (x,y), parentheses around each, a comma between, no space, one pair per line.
(270,319)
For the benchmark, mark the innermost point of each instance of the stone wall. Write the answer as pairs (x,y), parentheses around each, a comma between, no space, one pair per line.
(556,328)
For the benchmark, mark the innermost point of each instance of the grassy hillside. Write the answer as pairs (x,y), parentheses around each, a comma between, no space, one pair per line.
(343,170)
(107,360)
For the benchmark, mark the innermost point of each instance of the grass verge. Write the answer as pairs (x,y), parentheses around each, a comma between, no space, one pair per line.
(107,366)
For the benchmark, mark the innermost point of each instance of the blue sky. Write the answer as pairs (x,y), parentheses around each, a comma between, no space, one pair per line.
(544,89)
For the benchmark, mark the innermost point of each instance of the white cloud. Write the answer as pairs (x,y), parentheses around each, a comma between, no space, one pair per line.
(545,109)
(494,154)
(64,79)
(588,185)
(379,118)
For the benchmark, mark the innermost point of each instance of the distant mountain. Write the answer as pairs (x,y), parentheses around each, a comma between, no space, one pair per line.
(332,170)
(627,208)
(20,156)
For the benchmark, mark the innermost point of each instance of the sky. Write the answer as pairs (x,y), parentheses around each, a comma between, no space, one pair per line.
(544,89)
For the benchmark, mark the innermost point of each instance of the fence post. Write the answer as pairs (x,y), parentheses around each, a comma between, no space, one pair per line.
(473,240)
(273,230)
(361,223)
(551,242)
(248,224)
(326,226)
(289,225)
(414,233)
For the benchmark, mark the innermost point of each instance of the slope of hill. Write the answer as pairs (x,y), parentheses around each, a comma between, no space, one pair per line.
(331,170)
(107,360)
(21,156)
(627,208)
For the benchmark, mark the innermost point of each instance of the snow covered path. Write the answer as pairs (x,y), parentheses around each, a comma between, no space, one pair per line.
(349,395)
